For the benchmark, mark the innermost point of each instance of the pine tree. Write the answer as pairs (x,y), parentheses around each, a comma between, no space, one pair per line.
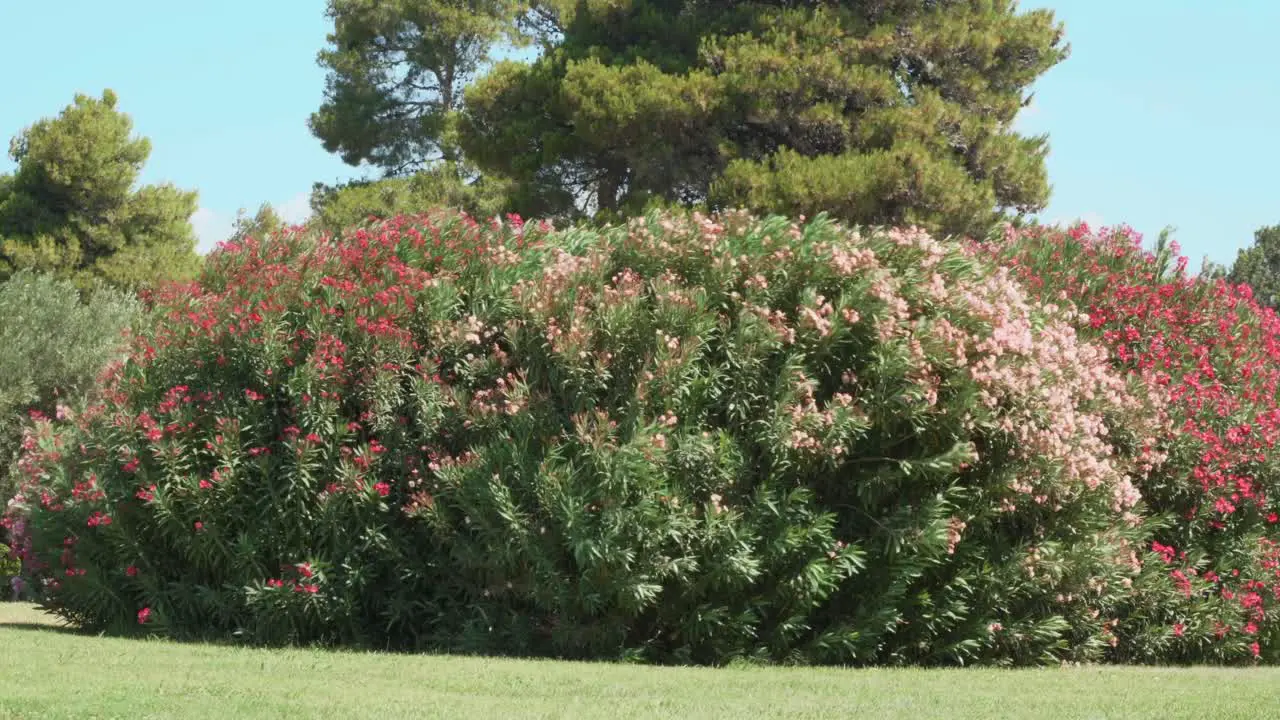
(71,207)
(883,112)
(396,74)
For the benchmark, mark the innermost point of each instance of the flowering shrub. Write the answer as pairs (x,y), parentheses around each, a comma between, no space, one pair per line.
(53,344)
(689,439)
(1210,356)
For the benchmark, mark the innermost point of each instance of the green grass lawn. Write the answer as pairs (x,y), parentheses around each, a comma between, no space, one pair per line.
(47,672)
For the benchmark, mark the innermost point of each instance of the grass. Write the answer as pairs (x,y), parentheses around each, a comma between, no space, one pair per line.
(50,672)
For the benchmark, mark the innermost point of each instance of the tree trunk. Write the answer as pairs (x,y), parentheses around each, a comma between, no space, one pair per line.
(445,77)
(607,190)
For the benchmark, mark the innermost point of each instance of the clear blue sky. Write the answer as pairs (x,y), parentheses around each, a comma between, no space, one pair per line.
(1163,115)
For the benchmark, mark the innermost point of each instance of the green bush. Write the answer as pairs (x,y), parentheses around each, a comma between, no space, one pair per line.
(690,439)
(9,569)
(1208,355)
(8,564)
(53,344)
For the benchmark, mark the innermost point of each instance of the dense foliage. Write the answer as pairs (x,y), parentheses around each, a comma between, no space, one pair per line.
(337,207)
(1209,354)
(687,439)
(9,568)
(53,344)
(71,207)
(1258,266)
(876,112)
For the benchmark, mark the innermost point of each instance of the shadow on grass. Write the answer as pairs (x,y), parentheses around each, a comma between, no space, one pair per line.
(222,641)
(30,618)
(54,624)
(41,627)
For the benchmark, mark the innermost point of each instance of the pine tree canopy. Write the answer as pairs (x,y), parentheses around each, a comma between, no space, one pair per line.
(73,207)
(882,112)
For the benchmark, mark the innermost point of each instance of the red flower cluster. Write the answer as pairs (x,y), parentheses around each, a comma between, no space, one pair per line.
(301,582)
(99,518)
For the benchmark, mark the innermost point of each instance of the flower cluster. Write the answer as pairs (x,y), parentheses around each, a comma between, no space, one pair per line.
(1208,356)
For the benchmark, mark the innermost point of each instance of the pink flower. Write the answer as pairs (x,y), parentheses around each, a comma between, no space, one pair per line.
(144,615)
(199,526)
(1164,551)
(205,484)
(1179,629)
(382,488)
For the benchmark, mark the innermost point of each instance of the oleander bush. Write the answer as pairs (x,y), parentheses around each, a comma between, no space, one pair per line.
(687,439)
(1210,356)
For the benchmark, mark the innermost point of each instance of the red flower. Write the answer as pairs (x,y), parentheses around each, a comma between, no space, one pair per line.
(304,569)
(382,488)
(131,466)
(1273,518)
(275,583)
(144,615)
(199,526)
(1255,649)
(1179,629)
(131,571)
(205,484)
